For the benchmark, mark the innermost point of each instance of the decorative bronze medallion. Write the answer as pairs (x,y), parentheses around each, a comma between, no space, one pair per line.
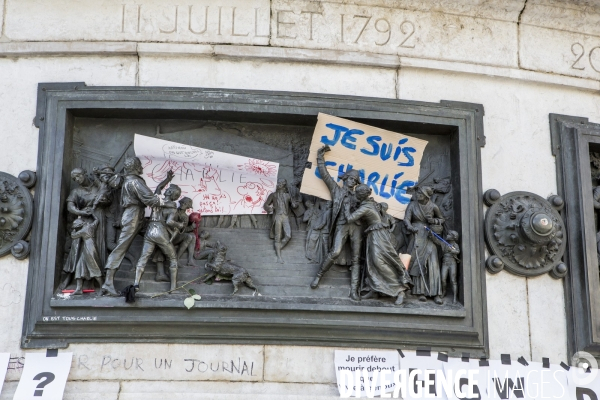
(16,213)
(525,234)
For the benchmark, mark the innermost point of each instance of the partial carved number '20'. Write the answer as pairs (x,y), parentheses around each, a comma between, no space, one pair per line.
(579,51)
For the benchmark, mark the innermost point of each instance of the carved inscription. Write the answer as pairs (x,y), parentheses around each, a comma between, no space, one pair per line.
(585,57)
(363,29)
(194,19)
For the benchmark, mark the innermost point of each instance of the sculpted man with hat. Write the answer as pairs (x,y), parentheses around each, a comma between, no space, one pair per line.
(343,201)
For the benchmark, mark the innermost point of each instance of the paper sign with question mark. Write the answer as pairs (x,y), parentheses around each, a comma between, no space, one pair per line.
(44,376)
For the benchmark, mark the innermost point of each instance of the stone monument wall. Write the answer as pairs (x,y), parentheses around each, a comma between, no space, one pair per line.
(521,59)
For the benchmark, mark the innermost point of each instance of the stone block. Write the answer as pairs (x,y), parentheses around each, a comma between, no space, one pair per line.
(508,320)
(226,391)
(24,49)
(547,319)
(569,16)
(202,21)
(163,362)
(560,52)
(301,364)
(308,56)
(18,98)
(226,73)
(89,390)
(390,30)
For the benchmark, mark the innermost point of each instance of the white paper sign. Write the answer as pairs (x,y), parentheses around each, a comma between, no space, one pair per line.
(388,162)
(4,358)
(422,384)
(463,374)
(44,378)
(218,183)
(583,385)
(372,368)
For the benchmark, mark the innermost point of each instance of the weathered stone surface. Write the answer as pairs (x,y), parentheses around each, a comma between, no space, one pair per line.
(19,80)
(547,319)
(503,10)
(301,364)
(308,56)
(507,315)
(316,78)
(24,49)
(12,303)
(560,52)
(162,362)
(226,391)
(200,21)
(306,24)
(574,16)
(89,390)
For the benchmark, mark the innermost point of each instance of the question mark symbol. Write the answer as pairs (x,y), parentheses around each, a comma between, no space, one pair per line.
(47,378)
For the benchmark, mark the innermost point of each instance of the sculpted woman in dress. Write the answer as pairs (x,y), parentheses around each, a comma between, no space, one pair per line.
(87,202)
(384,273)
(424,268)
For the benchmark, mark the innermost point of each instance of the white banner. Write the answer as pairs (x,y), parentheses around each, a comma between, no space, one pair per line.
(431,375)
(218,183)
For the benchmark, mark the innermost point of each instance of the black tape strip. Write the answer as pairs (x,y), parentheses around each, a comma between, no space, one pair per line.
(51,352)
(565,366)
(465,357)
(443,357)
(505,358)
(484,363)
(522,361)
(545,362)
(401,353)
(424,352)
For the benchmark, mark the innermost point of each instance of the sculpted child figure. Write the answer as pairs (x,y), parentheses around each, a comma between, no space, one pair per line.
(162,229)
(450,251)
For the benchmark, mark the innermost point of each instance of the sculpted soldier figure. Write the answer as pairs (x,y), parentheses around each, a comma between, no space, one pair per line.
(135,196)
(279,204)
(162,230)
(343,201)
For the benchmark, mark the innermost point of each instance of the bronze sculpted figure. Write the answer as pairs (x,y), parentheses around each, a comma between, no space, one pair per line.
(450,252)
(384,273)
(223,268)
(135,196)
(91,197)
(343,201)
(279,204)
(422,216)
(184,237)
(161,231)
(596,200)
(83,260)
